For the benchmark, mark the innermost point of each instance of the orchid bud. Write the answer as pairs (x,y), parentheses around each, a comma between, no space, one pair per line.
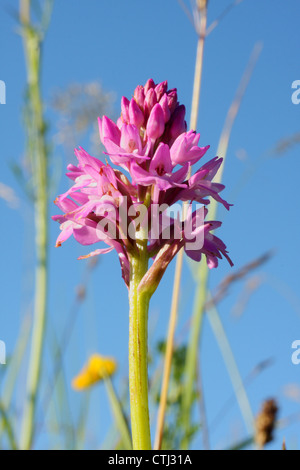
(139,96)
(161,89)
(149,84)
(136,116)
(172,100)
(156,123)
(150,101)
(125,109)
(165,107)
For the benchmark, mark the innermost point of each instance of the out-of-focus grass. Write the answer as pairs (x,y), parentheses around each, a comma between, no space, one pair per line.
(38,156)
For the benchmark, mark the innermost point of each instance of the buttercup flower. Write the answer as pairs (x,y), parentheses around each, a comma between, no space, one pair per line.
(154,154)
(97,369)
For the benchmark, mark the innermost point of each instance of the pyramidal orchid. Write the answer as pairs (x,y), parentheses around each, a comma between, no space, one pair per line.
(133,206)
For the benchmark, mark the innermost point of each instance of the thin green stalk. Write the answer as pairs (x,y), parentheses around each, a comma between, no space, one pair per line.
(138,350)
(38,334)
(81,428)
(233,371)
(192,352)
(8,428)
(118,414)
(38,158)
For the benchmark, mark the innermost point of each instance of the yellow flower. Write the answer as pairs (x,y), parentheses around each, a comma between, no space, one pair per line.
(97,368)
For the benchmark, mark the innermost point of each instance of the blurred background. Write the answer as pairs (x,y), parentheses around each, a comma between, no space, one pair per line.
(93,53)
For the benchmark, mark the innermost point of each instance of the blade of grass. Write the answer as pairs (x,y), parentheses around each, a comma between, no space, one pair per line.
(232,368)
(118,414)
(202,409)
(82,421)
(8,428)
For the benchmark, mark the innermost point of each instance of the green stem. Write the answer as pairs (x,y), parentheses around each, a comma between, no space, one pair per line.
(35,358)
(38,157)
(138,350)
(41,275)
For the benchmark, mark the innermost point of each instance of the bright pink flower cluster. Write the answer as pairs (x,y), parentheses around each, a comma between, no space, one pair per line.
(151,143)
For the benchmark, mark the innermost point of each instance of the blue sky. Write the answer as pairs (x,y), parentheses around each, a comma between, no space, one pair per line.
(122,44)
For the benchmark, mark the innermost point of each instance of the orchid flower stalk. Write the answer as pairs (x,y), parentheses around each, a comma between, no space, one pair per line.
(133,205)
